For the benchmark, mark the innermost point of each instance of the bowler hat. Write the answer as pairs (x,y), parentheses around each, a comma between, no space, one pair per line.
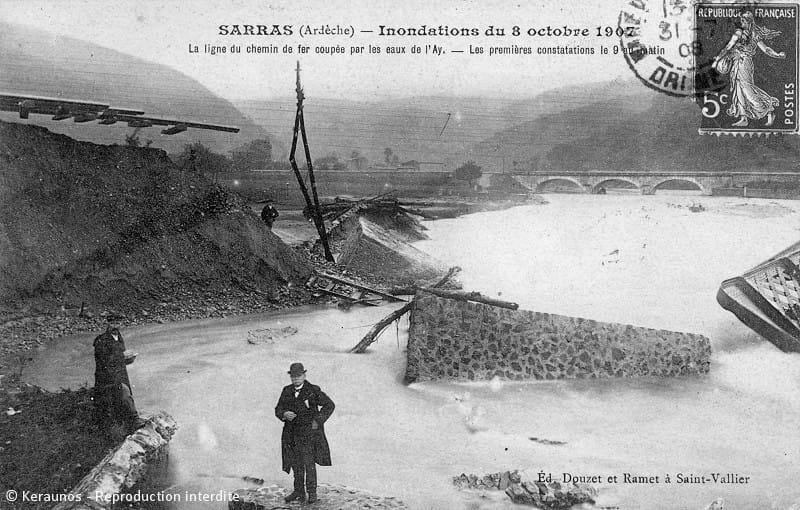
(296,369)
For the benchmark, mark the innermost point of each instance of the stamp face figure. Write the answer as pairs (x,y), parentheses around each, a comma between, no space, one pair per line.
(753,52)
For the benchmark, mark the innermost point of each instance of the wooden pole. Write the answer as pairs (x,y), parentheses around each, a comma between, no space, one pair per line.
(298,175)
(378,328)
(412,289)
(323,233)
(477,297)
(315,211)
(292,160)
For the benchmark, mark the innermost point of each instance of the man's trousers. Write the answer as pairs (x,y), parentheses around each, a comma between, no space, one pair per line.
(303,465)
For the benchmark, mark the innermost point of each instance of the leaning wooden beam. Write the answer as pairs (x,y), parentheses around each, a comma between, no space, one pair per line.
(412,289)
(313,207)
(323,234)
(446,278)
(379,197)
(378,328)
(461,295)
(344,217)
(293,161)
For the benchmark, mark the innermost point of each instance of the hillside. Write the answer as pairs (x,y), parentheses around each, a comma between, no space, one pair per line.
(123,227)
(661,136)
(84,71)
(419,128)
(608,125)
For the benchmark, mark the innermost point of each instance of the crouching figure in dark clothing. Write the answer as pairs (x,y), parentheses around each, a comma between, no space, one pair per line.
(113,399)
(304,408)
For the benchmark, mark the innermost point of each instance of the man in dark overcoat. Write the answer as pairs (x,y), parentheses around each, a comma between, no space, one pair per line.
(269,214)
(304,408)
(113,398)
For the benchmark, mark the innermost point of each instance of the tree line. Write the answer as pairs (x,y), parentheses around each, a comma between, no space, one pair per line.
(257,154)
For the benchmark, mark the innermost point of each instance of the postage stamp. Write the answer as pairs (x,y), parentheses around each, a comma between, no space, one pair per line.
(746,67)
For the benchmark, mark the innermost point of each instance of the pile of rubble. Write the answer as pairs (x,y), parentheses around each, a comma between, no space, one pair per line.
(526,489)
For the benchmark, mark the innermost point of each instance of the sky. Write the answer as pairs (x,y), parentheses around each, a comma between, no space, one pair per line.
(164,31)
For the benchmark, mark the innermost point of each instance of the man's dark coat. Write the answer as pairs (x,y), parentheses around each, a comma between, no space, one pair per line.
(109,359)
(319,409)
(269,214)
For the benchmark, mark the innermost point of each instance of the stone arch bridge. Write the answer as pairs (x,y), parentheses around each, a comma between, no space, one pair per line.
(650,182)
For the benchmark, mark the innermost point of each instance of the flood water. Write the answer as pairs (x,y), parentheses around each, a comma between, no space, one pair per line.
(644,260)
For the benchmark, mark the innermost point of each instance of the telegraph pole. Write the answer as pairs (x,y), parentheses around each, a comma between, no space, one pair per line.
(313,207)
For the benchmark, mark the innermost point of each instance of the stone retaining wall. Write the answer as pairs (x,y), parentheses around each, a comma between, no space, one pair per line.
(124,466)
(451,339)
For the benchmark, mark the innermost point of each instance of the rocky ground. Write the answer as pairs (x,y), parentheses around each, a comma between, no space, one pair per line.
(49,441)
(331,497)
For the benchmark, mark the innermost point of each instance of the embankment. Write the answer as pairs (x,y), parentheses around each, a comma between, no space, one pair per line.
(118,226)
(120,233)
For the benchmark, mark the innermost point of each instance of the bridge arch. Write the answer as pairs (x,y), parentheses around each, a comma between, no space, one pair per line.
(605,184)
(540,186)
(676,180)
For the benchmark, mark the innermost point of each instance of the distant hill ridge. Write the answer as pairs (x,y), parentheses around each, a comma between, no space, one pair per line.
(438,129)
(596,126)
(661,137)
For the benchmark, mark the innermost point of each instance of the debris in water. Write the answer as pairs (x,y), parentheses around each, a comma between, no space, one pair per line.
(268,336)
(348,290)
(252,479)
(547,442)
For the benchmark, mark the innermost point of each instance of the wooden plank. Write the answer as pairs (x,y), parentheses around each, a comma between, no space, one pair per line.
(362,287)
(339,294)
(471,296)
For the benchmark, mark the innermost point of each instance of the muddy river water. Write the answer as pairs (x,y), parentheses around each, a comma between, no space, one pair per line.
(645,260)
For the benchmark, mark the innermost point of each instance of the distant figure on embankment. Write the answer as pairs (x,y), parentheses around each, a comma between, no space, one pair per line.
(269,214)
(113,398)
